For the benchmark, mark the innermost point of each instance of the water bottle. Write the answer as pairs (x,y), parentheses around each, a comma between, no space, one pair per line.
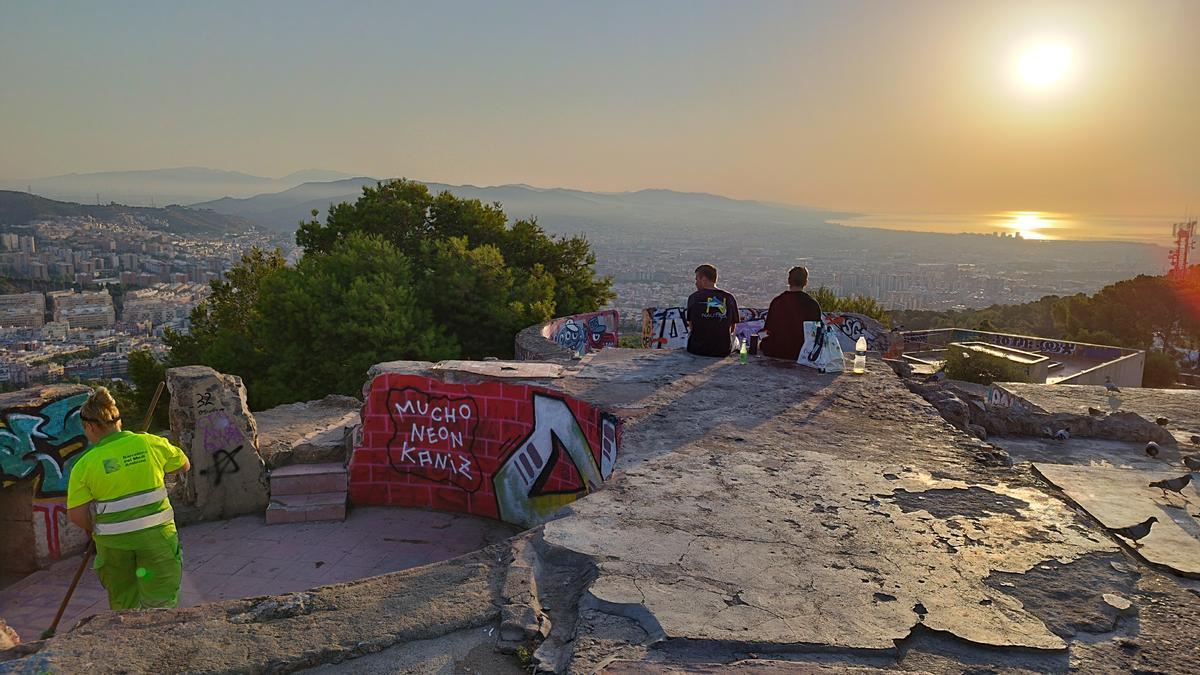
(742,354)
(860,356)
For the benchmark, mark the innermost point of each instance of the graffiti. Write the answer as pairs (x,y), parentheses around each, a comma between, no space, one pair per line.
(222,440)
(204,402)
(665,328)
(521,481)
(1002,398)
(496,449)
(1031,344)
(218,432)
(584,333)
(433,437)
(47,530)
(42,444)
(224,461)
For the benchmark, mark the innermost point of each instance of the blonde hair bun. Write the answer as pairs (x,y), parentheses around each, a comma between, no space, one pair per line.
(100,407)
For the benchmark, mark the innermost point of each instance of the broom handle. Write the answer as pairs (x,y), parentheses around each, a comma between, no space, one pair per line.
(153,404)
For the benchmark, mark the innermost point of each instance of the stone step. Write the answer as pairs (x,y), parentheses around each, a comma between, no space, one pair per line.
(307,508)
(306,479)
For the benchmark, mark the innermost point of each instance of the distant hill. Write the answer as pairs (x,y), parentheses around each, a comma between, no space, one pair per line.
(18,208)
(160,187)
(557,209)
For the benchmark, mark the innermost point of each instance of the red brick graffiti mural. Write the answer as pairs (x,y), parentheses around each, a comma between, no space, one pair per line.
(508,451)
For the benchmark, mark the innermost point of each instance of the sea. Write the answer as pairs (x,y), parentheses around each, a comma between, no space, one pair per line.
(1031,225)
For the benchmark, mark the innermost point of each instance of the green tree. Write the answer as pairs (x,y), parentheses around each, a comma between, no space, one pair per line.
(225,332)
(146,372)
(416,222)
(326,321)
(1160,371)
(859,304)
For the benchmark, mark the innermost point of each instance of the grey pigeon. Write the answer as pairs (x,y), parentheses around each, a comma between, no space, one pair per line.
(1135,532)
(1161,421)
(1175,484)
(1108,384)
(1152,449)
(1062,435)
(937,376)
(1192,462)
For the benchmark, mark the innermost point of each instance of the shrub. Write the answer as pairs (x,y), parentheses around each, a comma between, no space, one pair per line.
(1160,371)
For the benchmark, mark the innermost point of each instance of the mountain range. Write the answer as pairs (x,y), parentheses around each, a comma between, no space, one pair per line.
(159,187)
(557,209)
(18,208)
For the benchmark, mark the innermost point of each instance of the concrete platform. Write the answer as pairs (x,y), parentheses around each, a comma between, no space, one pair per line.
(1181,407)
(243,557)
(834,523)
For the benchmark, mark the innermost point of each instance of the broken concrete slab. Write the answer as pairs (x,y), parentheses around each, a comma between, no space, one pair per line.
(503,369)
(307,433)
(1180,406)
(214,426)
(1123,497)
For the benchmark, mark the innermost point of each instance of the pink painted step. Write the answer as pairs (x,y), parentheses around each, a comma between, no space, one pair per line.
(305,479)
(306,508)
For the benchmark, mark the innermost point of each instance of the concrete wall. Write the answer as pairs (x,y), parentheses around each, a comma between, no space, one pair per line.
(665,328)
(41,437)
(497,449)
(1125,372)
(1116,362)
(569,337)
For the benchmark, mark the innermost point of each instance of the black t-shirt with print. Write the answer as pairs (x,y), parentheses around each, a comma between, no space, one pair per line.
(711,314)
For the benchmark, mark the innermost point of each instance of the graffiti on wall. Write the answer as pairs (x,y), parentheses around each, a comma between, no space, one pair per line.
(585,333)
(665,327)
(507,451)
(41,444)
(220,438)
(1002,398)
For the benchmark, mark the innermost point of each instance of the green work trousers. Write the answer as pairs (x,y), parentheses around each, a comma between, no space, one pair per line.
(142,577)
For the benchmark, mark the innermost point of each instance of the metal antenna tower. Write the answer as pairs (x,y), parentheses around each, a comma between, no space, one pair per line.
(1184,234)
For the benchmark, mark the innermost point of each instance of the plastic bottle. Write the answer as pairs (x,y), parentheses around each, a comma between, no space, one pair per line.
(860,356)
(742,354)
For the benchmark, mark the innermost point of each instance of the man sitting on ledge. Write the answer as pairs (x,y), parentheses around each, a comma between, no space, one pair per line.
(786,316)
(712,314)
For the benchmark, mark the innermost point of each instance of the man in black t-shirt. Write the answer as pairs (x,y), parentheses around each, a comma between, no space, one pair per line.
(786,316)
(711,316)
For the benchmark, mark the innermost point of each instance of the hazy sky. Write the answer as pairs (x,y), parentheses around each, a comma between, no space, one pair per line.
(872,106)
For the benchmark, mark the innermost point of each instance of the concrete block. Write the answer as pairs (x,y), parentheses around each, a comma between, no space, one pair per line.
(213,425)
(307,508)
(299,479)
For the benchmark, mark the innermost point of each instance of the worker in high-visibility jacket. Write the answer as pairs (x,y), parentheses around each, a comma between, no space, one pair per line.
(116,493)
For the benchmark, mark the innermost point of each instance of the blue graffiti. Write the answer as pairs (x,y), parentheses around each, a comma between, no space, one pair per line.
(43,444)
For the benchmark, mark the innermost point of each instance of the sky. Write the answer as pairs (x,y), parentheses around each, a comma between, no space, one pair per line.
(915,106)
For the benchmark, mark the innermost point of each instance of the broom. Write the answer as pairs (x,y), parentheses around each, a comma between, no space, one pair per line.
(87,555)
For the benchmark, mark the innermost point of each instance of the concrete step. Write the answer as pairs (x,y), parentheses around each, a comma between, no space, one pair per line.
(306,479)
(306,508)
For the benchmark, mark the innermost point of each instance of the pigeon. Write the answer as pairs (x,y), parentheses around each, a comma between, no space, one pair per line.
(1152,449)
(1161,421)
(1195,439)
(936,377)
(1135,532)
(1192,462)
(1108,384)
(1062,435)
(1095,412)
(1175,484)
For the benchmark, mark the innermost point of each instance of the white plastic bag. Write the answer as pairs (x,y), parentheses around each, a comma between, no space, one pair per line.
(821,348)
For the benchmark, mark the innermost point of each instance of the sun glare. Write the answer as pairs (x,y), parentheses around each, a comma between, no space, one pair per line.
(1028,225)
(1043,65)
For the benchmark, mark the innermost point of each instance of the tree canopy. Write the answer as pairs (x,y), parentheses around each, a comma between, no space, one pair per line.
(399,274)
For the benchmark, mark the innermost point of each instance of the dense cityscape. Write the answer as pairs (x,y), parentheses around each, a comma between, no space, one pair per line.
(95,291)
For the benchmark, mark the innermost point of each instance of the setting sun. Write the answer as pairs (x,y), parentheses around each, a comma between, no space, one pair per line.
(1043,65)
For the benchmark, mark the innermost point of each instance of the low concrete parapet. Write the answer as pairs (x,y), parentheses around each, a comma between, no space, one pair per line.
(506,447)
(569,337)
(41,437)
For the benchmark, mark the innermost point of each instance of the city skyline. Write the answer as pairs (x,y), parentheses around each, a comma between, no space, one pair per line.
(864,107)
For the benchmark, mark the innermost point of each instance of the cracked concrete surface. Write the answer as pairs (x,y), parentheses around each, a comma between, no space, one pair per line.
(762,518)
